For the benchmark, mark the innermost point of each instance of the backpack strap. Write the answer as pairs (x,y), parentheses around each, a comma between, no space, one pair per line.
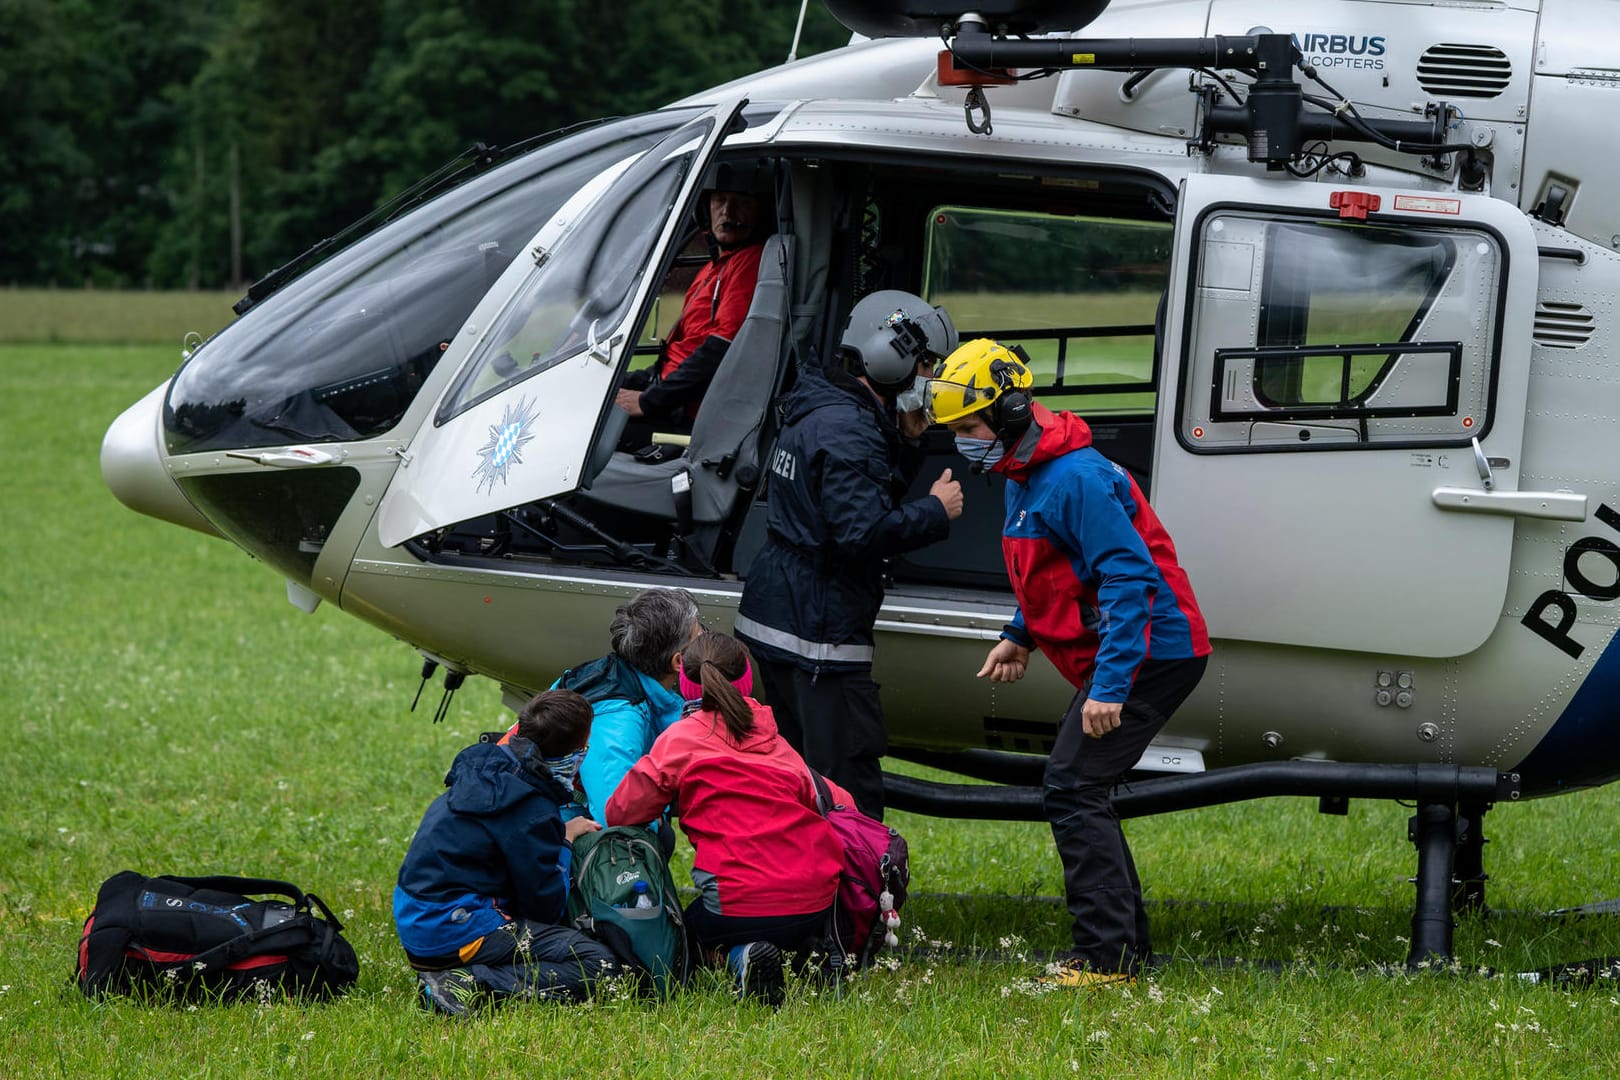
(225,883)
(258,886)
(824,800)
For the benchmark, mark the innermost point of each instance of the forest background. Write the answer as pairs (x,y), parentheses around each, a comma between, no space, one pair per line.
(199,145)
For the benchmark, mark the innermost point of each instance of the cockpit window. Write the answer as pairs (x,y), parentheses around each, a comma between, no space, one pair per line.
(340,353)
(579,295)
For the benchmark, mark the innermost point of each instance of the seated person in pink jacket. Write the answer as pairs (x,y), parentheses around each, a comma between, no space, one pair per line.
(766,863)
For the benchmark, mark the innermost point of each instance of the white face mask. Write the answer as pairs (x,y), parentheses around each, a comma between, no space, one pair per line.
(910,400)
(982,454)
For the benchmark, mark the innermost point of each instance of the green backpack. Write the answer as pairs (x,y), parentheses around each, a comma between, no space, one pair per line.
(649,939)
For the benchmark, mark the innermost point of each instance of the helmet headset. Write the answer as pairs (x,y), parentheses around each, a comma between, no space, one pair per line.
(985,375)
(889,333)
(756,178)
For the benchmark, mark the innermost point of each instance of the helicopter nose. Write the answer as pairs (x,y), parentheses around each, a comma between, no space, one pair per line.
(132,465)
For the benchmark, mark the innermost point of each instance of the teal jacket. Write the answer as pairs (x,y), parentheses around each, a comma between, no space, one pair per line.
(631,710)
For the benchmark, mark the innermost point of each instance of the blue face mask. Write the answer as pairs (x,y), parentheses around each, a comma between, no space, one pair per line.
(563,769)
(982,454)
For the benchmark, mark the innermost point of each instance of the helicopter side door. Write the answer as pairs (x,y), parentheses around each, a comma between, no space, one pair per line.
(1340,427)
(521,416)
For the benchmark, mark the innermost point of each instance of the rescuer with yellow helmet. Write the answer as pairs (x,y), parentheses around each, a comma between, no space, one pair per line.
(1101,594)
(982,376)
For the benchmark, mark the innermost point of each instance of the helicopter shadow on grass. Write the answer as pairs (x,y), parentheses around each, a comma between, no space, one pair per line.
(1573,946)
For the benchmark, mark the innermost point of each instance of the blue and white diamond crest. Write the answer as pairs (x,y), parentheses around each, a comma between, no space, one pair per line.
(505,446)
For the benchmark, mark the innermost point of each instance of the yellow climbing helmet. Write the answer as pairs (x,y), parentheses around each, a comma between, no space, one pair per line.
(974,377)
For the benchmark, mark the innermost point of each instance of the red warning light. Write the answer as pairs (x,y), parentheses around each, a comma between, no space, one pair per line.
(951,75)
(1353,204)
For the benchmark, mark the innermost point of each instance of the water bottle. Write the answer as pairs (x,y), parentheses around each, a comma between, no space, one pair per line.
(643,897)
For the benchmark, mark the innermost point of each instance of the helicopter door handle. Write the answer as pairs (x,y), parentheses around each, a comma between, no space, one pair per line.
(602,350)
(293,457)
(1551,505)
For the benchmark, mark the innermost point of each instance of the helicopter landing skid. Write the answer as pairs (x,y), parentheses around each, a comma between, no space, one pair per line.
(1449,845)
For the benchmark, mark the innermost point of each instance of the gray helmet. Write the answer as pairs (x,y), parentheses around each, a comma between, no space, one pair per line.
(890,331)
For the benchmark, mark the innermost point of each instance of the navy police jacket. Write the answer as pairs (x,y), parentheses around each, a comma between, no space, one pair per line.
(488,850)
(837,475)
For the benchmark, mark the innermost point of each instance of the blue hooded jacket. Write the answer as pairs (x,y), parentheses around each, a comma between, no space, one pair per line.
(488,850)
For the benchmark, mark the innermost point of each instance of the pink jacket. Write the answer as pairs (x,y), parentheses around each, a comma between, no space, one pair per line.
(761,848)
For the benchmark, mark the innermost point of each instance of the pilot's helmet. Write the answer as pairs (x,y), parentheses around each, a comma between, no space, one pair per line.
(753,176)
(890,331)
(982,374)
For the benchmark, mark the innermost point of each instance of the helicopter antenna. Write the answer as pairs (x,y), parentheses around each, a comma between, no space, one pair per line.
(793,50)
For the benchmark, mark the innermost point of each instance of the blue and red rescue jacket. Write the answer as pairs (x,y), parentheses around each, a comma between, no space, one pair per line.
(1099,589)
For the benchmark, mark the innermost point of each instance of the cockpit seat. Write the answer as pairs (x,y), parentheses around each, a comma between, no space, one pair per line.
(700,486)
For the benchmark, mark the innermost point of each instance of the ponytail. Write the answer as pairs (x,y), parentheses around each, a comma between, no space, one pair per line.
(721,665)
(721,696)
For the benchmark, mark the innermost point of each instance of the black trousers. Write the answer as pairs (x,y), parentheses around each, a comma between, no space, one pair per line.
(530,959)
(1099,877)
(835,721)
(708,930)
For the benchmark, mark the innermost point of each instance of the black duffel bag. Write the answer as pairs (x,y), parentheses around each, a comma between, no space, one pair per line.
(201,938)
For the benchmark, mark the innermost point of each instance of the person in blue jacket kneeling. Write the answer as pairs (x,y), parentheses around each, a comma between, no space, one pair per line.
(484,885)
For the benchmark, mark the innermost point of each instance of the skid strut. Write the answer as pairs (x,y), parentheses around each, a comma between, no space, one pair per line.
(1434,831)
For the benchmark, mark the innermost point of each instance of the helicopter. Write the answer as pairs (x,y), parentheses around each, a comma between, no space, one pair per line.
(1329,280)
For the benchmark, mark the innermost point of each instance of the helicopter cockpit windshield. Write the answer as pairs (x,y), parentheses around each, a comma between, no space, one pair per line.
(339,353)
(578,295)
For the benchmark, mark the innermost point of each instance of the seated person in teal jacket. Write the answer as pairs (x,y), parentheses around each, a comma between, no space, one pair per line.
(632,691)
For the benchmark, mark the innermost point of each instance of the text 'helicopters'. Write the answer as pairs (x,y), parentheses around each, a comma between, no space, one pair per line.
(1331,279)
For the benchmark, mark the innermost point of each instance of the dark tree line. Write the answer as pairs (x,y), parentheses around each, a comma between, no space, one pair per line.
(203,143)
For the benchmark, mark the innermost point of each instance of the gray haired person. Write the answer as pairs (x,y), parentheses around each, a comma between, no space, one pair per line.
(632,690)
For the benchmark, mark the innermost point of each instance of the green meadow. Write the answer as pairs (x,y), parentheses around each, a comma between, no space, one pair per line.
(167,710)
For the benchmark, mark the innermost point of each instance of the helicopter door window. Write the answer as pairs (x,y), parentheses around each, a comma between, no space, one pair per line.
(1080,295)
(1327,335)
(578,295)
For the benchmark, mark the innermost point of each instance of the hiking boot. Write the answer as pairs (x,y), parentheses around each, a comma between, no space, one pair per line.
(1075,975)
(449,993)
(757,968)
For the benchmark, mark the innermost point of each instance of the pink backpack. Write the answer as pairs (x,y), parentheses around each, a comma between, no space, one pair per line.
(877,871)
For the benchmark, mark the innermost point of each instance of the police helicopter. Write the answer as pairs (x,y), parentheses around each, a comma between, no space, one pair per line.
(1331,279)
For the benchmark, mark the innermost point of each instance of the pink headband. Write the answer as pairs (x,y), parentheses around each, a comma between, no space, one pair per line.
(692,691)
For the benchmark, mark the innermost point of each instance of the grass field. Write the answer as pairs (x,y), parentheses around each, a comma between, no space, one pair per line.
(94,316)
(166,710)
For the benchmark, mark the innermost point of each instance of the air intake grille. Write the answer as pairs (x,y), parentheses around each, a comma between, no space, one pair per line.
(1562,326)
(1451,71)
